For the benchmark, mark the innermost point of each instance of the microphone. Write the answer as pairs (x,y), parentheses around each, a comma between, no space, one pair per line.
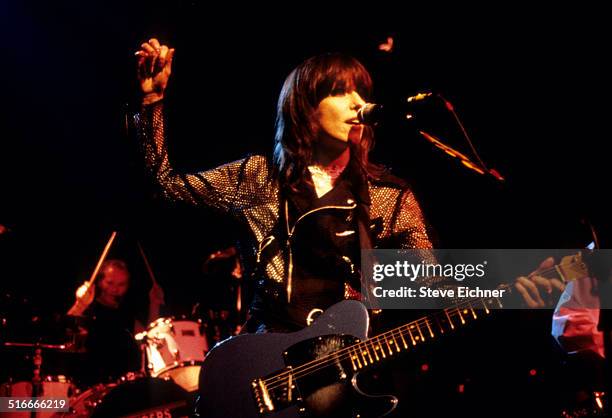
(373,113)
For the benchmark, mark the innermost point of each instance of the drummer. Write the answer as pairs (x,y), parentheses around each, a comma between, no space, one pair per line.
(111,349)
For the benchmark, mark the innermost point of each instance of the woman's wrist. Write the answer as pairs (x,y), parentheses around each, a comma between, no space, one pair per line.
(151,98)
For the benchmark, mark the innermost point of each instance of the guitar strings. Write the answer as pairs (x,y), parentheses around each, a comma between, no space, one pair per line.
(369,344)
(344,354)
(314,365)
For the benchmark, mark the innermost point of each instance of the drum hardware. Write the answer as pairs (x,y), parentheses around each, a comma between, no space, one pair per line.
(56,386)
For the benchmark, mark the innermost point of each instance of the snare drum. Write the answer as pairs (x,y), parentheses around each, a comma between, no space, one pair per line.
(51,387)
(175,350)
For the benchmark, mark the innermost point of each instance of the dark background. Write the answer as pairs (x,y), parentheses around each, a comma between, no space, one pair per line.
(528,84)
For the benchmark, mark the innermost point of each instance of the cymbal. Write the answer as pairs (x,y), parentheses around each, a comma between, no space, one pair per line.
(45,320)
(60,333)
(37,345)
(68,347)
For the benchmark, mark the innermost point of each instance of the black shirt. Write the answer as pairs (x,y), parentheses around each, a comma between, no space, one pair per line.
(111,348)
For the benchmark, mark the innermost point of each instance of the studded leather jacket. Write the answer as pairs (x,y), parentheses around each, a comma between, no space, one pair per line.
(244,190)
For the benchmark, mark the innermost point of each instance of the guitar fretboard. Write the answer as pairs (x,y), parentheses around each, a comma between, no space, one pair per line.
(408,336)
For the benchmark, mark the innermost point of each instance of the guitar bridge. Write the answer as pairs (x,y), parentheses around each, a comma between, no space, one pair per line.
(275,392)
(262,396)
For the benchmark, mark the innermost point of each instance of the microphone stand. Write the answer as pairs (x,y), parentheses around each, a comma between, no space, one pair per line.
(480,169)
(480,166)
(371,114)
(600,267)
(605,324)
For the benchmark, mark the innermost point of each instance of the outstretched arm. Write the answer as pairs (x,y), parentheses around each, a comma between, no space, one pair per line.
(219,188)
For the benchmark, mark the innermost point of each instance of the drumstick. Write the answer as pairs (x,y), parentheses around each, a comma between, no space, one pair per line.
(102,258)
(146,261)
(78,308)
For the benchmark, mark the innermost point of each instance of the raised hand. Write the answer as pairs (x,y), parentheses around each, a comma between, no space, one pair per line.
(84,296)
(154,69)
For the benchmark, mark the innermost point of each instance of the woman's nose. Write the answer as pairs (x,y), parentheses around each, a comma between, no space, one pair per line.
(357,101)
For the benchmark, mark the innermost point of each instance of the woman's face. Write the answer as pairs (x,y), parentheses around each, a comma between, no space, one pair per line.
(336,117)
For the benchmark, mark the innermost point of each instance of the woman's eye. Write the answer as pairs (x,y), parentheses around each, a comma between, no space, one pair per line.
(338,92)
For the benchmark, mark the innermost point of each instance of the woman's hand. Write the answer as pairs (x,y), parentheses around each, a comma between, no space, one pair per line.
(533,286)
(154,68)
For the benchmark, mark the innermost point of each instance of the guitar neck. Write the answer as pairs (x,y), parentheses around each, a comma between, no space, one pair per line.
(406,337)
(446,321)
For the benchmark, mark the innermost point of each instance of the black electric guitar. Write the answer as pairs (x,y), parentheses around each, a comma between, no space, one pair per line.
(313,372)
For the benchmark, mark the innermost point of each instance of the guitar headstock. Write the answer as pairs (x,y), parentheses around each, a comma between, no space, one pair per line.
(572,267)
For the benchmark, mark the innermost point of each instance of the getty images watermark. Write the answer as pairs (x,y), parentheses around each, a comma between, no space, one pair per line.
(435,279)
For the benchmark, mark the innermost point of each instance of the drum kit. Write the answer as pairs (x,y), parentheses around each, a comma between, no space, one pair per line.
(172,351)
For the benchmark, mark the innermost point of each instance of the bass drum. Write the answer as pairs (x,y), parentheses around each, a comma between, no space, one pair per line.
(143,397)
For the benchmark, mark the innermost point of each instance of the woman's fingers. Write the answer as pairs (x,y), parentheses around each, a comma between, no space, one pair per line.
(530,293)
(530,287)
(533,287)
(546,264)
(154,62)
(170,56)
(148,48)
(558,284)
(542,283)
(525,294)
(161,59)
(154,56)
(154,43)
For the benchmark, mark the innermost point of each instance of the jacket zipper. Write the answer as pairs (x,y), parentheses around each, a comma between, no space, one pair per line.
(291,230)
(264,243)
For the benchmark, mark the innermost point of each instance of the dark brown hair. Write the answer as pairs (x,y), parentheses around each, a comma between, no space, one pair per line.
(305,87)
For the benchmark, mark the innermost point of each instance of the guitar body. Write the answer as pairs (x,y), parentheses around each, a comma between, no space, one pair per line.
(329,390)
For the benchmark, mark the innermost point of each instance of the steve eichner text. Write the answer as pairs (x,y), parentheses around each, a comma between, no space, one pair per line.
(426,292)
